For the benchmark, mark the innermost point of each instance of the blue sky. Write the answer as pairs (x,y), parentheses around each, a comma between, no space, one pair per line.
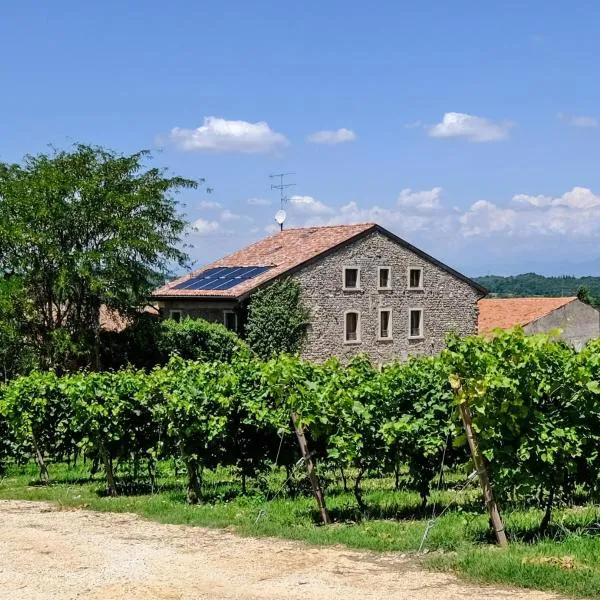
(471,129)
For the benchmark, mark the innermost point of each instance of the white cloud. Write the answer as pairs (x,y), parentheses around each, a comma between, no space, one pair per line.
(578,197)
(258,202)
(332,137)
(308,205)
(578,121)
(484,218)
(209,204)
(220,135)
(423,200)
(203,227)
(470,127)
(229,216)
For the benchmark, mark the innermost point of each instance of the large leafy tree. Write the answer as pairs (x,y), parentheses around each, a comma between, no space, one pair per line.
(86,228)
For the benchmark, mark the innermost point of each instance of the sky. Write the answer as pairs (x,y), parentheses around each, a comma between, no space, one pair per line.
(470,129)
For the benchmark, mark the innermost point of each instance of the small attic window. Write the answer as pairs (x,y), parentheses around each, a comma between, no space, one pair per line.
(351,278)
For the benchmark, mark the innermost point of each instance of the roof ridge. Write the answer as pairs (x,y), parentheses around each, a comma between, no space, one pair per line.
(327,226)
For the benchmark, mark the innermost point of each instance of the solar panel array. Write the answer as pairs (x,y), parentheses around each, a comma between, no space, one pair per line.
(220,278)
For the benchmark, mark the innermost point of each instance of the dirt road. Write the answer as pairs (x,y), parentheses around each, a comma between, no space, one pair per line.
(49,554)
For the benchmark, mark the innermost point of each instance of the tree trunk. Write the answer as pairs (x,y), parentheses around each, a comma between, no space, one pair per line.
(152,474)
(110,475)
(548,514)
(193,487)
(310,469)
(344,480)
(358,491)
(479,463)
(39,458)
(397,476)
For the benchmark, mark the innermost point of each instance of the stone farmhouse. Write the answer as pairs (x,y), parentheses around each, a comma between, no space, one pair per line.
(578,322)
(367,290)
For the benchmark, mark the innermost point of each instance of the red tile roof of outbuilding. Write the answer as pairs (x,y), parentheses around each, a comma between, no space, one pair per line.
(504,313)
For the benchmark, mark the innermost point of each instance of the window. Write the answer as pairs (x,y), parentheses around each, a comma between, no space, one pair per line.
(175,315)
(415,278)
(385,324)
(351,278)
(230,320)
(415,323)
(352,328)
(385,278)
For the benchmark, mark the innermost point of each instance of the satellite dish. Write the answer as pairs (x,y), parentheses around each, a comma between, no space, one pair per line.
(280,216)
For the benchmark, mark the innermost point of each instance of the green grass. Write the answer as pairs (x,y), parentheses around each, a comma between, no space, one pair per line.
(459,541)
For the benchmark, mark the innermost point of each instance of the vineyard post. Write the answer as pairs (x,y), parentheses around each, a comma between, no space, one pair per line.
(479,463)
(310,469)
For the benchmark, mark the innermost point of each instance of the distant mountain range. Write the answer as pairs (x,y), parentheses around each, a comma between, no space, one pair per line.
(532,284)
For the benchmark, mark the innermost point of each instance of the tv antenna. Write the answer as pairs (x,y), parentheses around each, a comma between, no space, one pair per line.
(281,186)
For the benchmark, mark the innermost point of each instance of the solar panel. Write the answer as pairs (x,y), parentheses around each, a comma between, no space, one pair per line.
(220,278)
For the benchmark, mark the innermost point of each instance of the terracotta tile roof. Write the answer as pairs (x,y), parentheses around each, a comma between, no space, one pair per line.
(282,252)
(112,320)
(504,313)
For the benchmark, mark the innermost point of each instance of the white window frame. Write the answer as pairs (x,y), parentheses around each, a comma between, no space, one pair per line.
(358,327)
(230,312)
(389,287)
(414,289)
(390,326)
(422,332)
(352,289)
(176,311)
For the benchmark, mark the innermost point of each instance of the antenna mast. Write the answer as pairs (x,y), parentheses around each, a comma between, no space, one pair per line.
(281,186)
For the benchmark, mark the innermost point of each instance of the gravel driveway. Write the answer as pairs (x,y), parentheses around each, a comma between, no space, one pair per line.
(47,553)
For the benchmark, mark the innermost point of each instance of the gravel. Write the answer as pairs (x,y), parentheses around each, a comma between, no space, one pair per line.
(47,553)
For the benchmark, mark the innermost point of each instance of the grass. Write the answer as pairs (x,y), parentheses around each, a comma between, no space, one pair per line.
(567,560)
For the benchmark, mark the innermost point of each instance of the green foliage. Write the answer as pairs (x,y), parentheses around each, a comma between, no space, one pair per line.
(82,229)
(196,339)
(277,319)
(17,349)
(148,342)
(534,401)
(532,284)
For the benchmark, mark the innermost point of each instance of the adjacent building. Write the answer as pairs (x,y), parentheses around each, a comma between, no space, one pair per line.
(578,322)
(367,290)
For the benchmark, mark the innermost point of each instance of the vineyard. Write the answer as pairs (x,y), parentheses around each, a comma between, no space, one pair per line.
(535,406)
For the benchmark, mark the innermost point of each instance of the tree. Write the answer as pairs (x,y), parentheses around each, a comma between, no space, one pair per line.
(17,352)
(277,319)
(85,228)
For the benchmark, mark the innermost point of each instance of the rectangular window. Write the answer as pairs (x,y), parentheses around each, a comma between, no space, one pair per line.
(385,324)
(351,278)
(352,327)
(415,323)
(175,315)
(415,279)
(230,320)
(385,278)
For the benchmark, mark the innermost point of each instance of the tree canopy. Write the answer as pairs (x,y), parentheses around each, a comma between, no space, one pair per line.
(86,228)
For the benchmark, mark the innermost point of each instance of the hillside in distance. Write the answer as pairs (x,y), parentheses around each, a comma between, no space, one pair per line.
(532,284)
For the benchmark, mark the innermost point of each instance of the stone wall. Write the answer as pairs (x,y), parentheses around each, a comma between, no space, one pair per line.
(448,303)
(579,322)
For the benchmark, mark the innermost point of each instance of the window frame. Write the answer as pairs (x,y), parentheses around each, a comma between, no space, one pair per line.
(351,289)
(358,339)
(390,337)
(410,288)
(389,287)
(228,311)
(422,323)
(175,311)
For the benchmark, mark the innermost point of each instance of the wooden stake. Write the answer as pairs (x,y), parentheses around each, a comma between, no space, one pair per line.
(479,463)
(310,469)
